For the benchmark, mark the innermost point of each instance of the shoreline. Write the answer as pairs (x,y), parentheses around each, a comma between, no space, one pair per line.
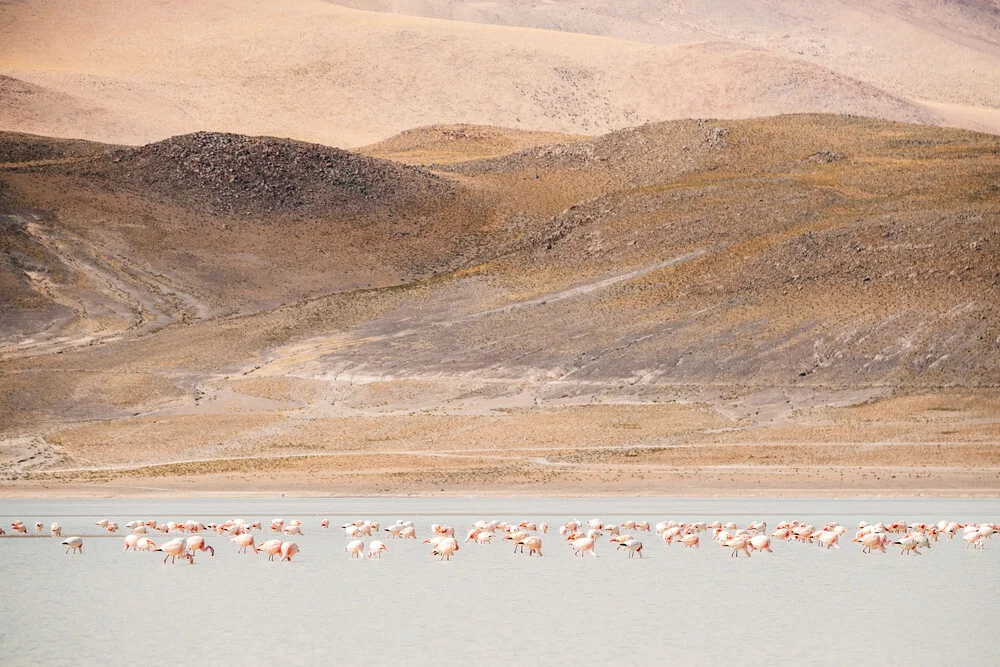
(687,494)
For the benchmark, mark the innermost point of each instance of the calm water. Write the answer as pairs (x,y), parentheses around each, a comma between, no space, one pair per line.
(801,605)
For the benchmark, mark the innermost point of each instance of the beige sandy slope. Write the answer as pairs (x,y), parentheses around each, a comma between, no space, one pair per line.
(946,52)
(320,72)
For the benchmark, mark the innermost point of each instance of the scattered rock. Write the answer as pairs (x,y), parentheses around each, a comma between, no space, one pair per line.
(715,137)
(826,156)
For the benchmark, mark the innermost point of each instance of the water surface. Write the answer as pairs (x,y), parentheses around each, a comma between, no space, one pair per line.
(799,605)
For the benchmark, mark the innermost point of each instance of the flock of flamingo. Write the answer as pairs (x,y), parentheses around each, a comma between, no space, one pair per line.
(582,537)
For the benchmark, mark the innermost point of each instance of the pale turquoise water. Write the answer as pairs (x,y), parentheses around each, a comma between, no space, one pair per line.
(800,605)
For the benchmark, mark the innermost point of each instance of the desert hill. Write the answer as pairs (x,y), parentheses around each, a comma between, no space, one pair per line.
(690,306)
(209,224)
(316,71)
(240,176)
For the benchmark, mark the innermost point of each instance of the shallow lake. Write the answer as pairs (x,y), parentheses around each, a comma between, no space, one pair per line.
(800,605)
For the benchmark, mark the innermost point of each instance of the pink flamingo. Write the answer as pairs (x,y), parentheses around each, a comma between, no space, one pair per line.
(74,544)
(245,541)
(288,549)
(582,545)
(633,547)
(175,548)
(690,540)
(272,548)
(354,548)
(197,543)
(445,548)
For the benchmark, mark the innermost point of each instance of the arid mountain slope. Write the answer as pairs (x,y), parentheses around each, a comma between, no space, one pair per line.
(133,239)
(685,307)
(838,253)
(315,71)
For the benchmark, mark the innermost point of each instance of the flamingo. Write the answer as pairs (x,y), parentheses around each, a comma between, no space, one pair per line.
(130,542)
(872,541)
(670,534)
(534,544)
(145,544)
(55,529)
(272,548)
(354,548)
(738,544)
(74,544)
(782,533)
(197,543)
(375,549)
(632,546)
(828,539)
(973,540)
(518,538)
(445,548)
(174,548)
(245,541)
(908,544)
(690,540)
(760,542)
(288,549)
(582,545)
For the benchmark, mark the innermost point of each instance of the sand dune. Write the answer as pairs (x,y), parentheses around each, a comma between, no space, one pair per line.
(319,72)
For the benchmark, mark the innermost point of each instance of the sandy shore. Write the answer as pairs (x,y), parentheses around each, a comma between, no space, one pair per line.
(939,444)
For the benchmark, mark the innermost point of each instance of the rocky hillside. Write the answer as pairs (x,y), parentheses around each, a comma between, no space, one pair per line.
(694,283)
(229,174)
